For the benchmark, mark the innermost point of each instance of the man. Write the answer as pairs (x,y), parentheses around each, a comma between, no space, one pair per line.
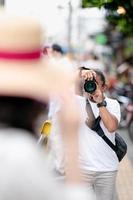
(98,161)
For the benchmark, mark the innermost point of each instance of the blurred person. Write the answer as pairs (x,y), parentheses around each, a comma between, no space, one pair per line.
(57,50)
(46,50)
(26,82)
(98,162)
(24,169)
(61,57)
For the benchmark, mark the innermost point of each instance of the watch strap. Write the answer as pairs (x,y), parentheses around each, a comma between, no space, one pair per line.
(103,103)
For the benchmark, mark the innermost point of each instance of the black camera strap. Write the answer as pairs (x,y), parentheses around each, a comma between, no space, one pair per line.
(89,110)
(97,128)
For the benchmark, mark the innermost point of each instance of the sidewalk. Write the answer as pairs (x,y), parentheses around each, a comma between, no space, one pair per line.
(125,180)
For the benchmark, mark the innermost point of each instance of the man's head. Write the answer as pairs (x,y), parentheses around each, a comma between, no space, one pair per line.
(100,79)
(100,82)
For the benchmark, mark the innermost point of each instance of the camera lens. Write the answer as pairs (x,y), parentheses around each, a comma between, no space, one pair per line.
(90,86)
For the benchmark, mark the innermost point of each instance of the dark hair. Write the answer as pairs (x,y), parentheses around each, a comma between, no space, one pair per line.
(101,74)
(19,112)
(98,72)
(58,48)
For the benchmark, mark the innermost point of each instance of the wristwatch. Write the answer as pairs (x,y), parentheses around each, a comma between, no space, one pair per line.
(103,103)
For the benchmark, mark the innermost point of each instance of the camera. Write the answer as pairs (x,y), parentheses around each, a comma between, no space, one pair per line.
(90,86)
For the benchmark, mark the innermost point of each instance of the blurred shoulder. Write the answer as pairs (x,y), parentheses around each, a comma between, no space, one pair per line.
(112,102)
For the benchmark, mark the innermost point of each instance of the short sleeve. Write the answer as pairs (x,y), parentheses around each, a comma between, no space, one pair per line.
(114,108)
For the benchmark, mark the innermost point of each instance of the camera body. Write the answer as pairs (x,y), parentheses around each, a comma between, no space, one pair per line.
(90,86)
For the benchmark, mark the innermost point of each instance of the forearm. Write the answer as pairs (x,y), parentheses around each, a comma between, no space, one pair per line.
(109,120)
(69,123)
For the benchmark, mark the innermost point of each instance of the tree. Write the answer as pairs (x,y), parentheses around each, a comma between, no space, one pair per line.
(120,29)
(119,13)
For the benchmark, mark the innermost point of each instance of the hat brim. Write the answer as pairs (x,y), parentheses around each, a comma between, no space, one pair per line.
(34,79)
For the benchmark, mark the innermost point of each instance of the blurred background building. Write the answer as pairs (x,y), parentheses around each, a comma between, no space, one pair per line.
(67,23)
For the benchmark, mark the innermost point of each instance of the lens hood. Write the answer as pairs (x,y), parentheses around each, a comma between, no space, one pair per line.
(90,86)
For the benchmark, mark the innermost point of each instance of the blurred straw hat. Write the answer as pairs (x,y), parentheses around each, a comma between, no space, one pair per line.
(24,71)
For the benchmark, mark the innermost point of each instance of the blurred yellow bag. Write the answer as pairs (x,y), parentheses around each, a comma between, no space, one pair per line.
(46,128)
(45,132)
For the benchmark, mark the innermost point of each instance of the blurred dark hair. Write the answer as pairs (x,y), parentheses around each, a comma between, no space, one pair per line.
(19,112)
(58,48)
(98,72)
(101,74)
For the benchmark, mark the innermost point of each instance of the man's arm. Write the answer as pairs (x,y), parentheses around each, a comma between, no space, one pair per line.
(109,120)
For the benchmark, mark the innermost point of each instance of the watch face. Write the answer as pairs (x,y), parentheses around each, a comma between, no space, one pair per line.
(104,103)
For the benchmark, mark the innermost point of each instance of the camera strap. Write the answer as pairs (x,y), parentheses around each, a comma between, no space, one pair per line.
(97,128)
(89,110)
(91,118)
(96,125)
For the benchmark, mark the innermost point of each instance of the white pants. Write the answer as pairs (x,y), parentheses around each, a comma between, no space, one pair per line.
(101,183)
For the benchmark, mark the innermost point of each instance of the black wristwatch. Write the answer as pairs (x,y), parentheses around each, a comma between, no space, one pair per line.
(103,103)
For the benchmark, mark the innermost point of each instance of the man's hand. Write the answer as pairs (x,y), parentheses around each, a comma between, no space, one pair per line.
(81,76)
(88,74)
(97,96)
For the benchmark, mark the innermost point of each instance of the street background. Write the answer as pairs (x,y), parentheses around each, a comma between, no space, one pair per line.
(125,174)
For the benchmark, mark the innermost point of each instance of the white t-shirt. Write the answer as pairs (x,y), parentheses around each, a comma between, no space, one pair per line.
(94,153)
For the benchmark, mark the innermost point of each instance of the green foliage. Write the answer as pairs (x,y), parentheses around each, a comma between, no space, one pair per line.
(94,3)
(101,39)
(129,47)
(122,21)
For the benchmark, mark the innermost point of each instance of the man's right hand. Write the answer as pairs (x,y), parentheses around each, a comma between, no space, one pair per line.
(88,74)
